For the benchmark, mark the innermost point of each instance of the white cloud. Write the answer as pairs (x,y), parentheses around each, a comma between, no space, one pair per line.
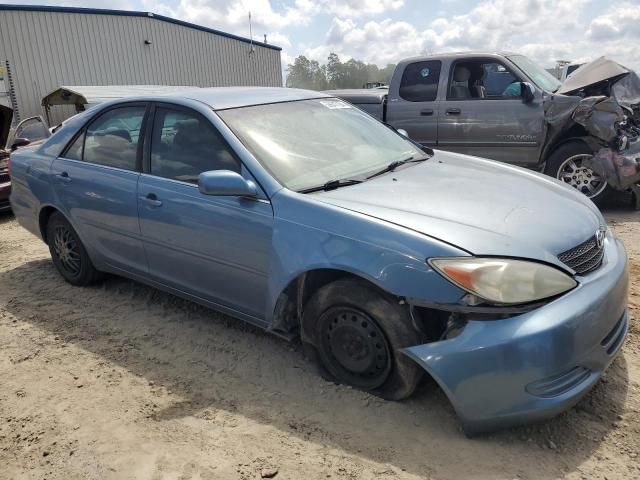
(545,30)
(358,8)
(622,21)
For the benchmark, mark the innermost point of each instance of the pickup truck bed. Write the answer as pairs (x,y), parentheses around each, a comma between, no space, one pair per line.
(373,101)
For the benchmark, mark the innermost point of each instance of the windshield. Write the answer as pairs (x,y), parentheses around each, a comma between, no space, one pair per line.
(308,143)
(536,73)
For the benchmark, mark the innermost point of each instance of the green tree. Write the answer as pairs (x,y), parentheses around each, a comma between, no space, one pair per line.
(335,71)
(305,73)
(335,74)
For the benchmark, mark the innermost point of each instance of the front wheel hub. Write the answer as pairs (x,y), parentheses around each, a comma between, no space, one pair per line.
(573,172)
(355,347)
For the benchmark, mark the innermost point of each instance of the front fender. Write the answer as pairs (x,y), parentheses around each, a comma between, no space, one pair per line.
(310,235)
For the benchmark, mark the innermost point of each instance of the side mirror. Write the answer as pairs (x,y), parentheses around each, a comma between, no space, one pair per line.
(19,142)
(226,183)
(527,92)
(403,132)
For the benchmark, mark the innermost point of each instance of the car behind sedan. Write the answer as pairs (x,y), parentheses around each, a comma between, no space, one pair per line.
(297,212)
(6,115)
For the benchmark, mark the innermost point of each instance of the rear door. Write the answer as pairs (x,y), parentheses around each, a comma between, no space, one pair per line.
(95,182)
(484,115)
(413,104)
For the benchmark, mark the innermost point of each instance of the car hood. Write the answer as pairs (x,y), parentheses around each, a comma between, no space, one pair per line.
(6,115)
(592,73)
(481,206)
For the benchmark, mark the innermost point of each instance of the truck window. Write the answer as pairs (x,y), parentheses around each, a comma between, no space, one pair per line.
(420,81)
(482,80)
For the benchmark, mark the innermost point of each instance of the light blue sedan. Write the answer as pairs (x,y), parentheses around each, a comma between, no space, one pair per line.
(300,214)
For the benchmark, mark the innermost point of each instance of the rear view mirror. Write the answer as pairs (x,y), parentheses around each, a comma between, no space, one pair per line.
(19,142)
(226,183)
(527,92)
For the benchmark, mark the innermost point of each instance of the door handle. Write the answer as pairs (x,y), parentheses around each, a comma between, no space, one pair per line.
(63,177)
(453,111)
(427,112)
(151,199)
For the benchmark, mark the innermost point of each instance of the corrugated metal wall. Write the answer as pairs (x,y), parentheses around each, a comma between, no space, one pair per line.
(46,49)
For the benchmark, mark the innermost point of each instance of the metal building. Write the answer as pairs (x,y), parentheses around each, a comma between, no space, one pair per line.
(42,48)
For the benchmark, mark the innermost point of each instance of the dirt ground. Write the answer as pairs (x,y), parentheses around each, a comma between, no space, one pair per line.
(123,381)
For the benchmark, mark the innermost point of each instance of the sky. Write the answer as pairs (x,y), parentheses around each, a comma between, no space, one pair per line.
(385,31)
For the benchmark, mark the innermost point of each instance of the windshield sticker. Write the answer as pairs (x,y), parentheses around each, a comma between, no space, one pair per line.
(335,104)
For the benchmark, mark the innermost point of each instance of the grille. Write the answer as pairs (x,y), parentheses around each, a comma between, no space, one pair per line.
(584,258)
(4,177)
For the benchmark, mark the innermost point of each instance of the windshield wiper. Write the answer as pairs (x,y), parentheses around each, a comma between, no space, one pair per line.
(395,164)
(332,185)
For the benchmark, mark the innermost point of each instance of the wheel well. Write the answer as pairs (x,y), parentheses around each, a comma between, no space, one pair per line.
(290,304)
(43,219)
(575,133)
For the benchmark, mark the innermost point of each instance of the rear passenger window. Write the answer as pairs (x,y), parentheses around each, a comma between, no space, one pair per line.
(184,145)
(420,81)
(112,139)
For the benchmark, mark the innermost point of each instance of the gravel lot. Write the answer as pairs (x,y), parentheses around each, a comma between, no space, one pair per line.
(123,381)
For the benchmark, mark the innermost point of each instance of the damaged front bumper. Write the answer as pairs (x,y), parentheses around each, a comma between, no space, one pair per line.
(621,169)
(537,364)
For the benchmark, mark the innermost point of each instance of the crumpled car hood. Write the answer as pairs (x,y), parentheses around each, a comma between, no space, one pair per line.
(599,70)
(483,207)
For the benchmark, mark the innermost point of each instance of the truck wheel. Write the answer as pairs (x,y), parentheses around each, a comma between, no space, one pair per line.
(359,333)
(68,254)
(566,164)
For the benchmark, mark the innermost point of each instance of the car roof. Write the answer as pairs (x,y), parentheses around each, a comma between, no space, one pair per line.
(221,98)
(456,55)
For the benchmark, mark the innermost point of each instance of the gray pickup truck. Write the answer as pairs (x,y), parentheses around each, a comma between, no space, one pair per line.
(504,107)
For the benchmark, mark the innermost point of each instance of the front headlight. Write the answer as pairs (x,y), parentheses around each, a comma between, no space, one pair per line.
(503,280)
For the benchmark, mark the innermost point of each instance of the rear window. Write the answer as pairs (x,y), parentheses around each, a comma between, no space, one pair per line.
(112,139)
(420,81)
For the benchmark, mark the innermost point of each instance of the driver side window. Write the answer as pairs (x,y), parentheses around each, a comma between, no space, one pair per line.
(184,145)
(482,80)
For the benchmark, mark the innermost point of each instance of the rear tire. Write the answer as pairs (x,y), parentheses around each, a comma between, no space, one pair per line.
(68,253)
(359,332)
(565,164)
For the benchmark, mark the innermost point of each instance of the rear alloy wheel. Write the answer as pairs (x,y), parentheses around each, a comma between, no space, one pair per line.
(65,246)
(568,164)
(68,253)
(358,333)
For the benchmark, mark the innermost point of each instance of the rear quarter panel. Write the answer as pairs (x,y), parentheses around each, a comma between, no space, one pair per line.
(30,186)
(31,174)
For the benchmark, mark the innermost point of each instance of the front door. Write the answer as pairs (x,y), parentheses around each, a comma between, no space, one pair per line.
(216,248)
(412,101)
(95,181)
(484,115)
